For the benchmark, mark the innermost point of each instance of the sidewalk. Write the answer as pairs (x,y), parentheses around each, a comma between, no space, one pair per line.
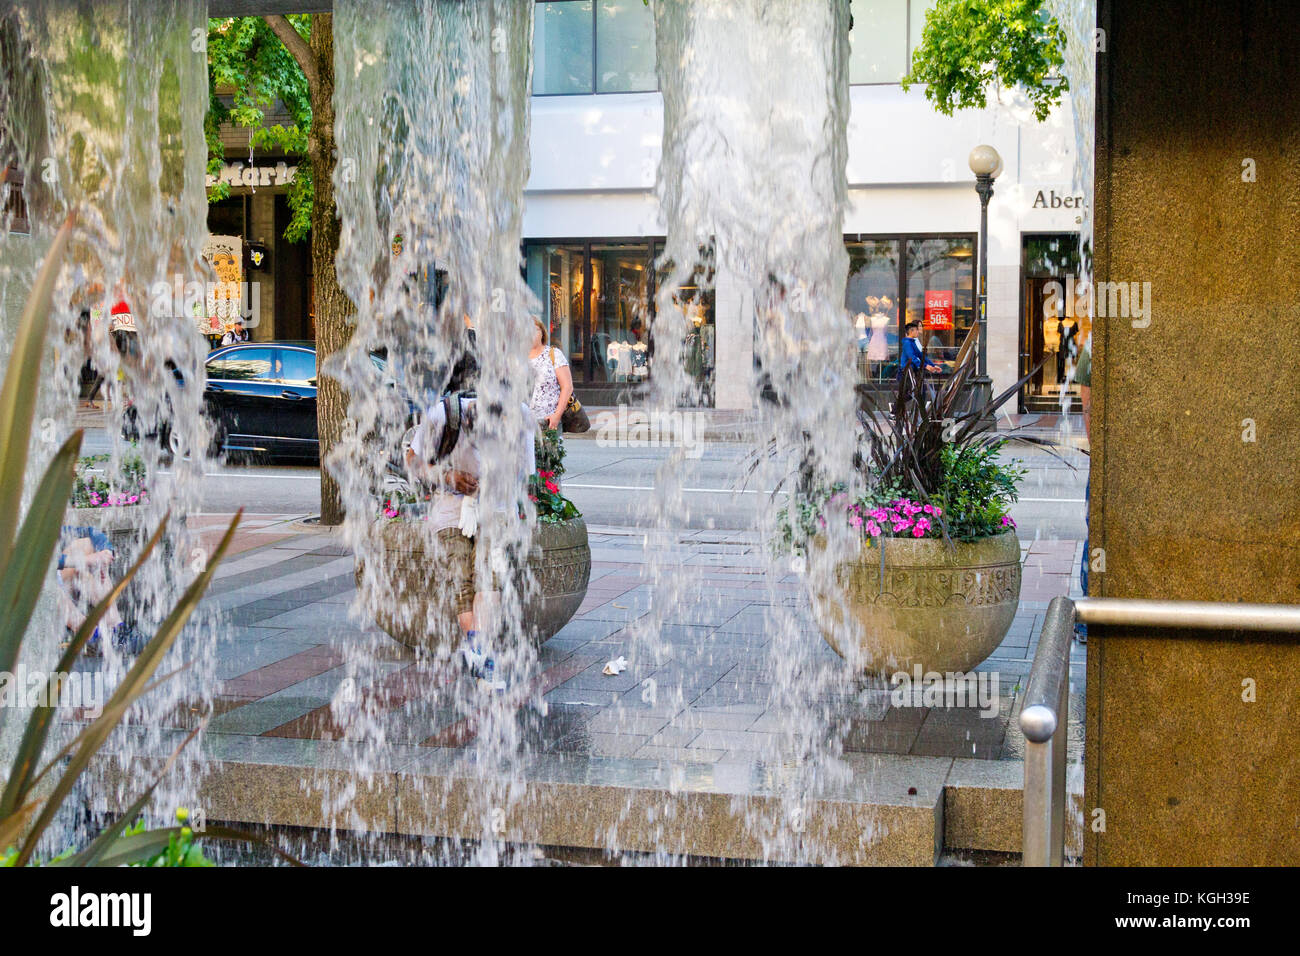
(286,612)
(695,768)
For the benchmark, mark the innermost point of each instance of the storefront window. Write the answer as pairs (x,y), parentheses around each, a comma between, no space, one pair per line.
(941,293)
(598,299)
(562,47)
(696,300)
(557,275)
(620,286)
(872,298)
(931,278)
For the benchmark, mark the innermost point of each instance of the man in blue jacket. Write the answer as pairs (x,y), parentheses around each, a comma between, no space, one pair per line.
(911,355)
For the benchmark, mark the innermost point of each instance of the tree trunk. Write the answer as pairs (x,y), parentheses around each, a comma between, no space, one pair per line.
(333,308)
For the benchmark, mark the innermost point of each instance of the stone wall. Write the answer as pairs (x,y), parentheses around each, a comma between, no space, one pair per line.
(1192,747)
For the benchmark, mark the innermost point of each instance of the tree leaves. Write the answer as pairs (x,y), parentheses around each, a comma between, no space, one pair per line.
(249,72)
(968,45)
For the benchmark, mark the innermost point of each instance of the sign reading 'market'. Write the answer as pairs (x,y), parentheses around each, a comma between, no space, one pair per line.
(238,174)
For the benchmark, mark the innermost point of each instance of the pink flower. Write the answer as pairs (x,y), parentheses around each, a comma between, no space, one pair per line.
(901,525)
(922,526)
(873,529)
(856,521)
(552,487)
(1007,521)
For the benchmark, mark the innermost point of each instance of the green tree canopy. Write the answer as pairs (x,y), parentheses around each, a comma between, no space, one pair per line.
(249,71)
(967,45)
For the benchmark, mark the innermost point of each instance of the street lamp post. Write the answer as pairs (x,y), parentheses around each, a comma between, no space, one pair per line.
(986,164)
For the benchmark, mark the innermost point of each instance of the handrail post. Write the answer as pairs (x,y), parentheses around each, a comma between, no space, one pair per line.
(1044,719)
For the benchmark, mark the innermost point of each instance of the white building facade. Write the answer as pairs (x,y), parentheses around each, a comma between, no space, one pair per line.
(592,225)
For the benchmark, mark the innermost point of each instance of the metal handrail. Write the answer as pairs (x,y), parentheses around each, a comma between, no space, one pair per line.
(1044,715)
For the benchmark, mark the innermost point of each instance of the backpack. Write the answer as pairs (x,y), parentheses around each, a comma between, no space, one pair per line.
(455,419)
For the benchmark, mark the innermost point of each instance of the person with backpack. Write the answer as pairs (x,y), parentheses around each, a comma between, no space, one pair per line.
(443,453)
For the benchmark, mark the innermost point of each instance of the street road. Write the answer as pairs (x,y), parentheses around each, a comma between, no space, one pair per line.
(616,486)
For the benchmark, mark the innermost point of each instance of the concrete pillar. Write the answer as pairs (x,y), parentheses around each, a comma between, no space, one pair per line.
(1004,327)
(1192,751)
(734,352)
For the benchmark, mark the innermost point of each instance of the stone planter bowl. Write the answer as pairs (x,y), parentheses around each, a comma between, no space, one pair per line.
(421,613)
(945,610)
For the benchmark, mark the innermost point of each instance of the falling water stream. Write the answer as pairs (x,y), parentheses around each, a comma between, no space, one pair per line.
(105,115)
(433,109)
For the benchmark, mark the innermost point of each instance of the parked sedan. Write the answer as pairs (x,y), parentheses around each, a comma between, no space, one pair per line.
(261,397)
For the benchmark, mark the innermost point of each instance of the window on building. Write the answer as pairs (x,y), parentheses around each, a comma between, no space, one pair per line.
(894,280)
(884,34)
(557,274)
(940,293)
(1054,322)
(872,298)
(581,46)
(598,299)
(625,47)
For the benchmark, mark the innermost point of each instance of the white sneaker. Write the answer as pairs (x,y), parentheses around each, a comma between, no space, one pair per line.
(472,658)
(488,682)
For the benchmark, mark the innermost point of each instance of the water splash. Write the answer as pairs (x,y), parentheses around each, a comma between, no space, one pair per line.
(105,118)
(752,186)
(432,127)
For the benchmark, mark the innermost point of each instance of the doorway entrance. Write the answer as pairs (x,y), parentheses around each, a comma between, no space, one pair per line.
(1050,333)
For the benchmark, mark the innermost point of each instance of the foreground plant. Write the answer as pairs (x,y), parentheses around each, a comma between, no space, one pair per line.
(928,464)
(544,484)
(27,808)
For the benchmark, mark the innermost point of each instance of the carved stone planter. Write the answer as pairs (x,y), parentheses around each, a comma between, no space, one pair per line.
(926,604)
(420,587)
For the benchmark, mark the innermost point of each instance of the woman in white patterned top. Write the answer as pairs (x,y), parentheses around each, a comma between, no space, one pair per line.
(552,379)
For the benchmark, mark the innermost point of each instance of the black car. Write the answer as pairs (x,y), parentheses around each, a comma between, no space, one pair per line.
(261,398)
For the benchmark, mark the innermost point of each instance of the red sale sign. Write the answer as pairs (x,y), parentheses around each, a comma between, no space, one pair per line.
(938,309)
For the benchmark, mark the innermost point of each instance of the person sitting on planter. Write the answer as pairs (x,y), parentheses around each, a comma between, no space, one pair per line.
(84,566)
(443,453)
